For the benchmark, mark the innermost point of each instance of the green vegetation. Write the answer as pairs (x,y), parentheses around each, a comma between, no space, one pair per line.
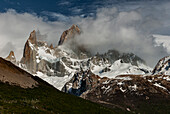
(44,99)
(155,105)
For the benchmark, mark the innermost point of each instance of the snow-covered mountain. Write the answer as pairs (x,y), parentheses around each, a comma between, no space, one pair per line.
(84,82)
(58,64)
(65,66)
(163,66)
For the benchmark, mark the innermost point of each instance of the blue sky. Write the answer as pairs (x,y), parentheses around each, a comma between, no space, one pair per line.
(69,7)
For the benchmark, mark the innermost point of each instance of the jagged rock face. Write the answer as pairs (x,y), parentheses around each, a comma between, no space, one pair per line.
(114,63)
(33,38)
(81,82)
(29,54)
(69,34)
(130,91)
(122,91)
(163,66)
(38,56)
(112,55)
(62,61)
(9,73)
(11,57)
(51,46)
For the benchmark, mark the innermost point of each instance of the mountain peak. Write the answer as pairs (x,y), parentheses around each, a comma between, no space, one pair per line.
(32,38)
(75,27)
(11,57)
(163,66)
(69,34)
(51,46)
(30,51)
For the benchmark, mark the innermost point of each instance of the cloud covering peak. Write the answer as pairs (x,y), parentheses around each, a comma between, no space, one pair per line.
(111,28)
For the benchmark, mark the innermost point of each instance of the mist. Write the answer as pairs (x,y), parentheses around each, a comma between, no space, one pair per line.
(125,28)
(129,32)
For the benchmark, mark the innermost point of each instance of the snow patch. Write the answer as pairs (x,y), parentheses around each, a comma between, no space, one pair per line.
(156,84)
(124,78)
(118,68)
(122,89)
(167,78)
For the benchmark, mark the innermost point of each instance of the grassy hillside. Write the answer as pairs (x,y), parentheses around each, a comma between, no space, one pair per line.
(44,99)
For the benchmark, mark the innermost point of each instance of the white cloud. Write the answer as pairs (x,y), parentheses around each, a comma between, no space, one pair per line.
(123,31)
(64,3)
(56,16)
(16,27)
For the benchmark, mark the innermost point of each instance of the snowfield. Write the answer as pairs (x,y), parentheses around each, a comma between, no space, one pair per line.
(57,82)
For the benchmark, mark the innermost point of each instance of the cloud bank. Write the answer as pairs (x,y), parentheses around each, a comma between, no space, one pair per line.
(123,31)
(16,27)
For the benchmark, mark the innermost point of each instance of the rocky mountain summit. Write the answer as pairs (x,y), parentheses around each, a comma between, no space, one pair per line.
(163,66)
(11,57)
(63,61)
(69,34)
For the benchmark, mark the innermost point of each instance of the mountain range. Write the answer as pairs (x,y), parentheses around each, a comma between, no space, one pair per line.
(113,79)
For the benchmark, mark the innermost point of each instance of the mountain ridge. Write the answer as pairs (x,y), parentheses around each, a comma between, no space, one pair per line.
(63,61)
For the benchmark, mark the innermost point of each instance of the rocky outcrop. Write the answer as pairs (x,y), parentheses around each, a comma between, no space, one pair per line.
(124,91)
(69,34)
(29,54)
(51,46)
(38,56)
(81,82)
(163,66)
(11,57)
(9,73)
(130,91)
(112,55)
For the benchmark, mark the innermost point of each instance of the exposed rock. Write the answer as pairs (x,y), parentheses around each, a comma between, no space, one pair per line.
(163,66)
(69,34)
(51,46)
(130,91)
(81,82)
(33,38)
(112,55)
(29,54)
(11,57)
